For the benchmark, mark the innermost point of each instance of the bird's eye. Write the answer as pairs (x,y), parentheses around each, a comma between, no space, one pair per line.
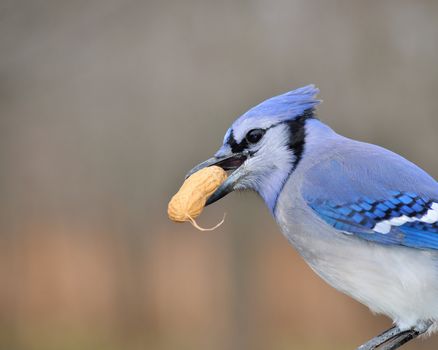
(254,135)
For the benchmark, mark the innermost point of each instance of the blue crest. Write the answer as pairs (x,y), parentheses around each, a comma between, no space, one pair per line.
(279,108)
(286,106)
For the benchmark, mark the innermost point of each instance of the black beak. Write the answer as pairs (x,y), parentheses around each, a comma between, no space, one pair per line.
(228,163)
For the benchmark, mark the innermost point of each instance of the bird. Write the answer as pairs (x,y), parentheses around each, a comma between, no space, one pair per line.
(364,218)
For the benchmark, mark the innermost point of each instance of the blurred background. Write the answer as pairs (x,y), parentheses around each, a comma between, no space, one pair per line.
(104,106)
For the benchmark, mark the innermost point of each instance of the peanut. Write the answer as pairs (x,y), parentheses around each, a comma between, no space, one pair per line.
(190,200)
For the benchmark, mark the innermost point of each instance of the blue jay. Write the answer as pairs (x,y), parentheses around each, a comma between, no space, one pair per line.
(364,218)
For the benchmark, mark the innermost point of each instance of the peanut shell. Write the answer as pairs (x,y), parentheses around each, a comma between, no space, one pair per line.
(189,201)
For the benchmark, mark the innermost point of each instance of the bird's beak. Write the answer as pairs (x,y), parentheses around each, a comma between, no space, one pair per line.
(228,163)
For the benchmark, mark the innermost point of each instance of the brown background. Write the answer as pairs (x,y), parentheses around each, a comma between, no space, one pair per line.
(104,105)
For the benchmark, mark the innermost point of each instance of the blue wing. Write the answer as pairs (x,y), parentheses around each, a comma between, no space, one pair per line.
(374,194)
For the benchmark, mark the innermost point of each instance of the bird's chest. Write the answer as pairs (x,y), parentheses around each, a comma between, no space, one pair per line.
(297,223)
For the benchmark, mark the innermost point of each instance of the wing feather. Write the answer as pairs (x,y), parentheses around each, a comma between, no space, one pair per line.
(376,195)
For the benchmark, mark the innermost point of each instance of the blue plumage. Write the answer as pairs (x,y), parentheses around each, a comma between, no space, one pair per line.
(287,106)
(376,195)
(361,218)
(277,109)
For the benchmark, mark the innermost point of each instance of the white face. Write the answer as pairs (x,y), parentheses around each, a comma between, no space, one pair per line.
(269,157)
(269,160)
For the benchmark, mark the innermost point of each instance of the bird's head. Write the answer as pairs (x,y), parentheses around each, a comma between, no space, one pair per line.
(263,146)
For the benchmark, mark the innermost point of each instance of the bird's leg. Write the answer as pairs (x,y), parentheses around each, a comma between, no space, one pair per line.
(400,339)
(380,339)
(393,338)
(405,336)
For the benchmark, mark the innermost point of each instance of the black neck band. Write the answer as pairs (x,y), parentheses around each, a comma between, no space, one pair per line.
(297,134)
